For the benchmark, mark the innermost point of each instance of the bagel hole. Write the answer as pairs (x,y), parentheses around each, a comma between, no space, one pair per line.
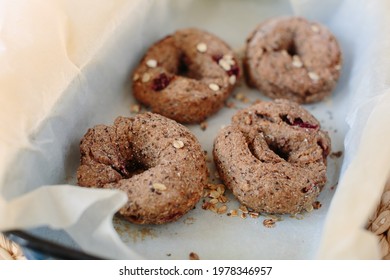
(182,69)
(280,151)
(134,167)
(292,48)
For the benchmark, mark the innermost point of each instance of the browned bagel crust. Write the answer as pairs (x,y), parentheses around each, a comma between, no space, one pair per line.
(292,58)
(185,76)
(273,157)
(156,161)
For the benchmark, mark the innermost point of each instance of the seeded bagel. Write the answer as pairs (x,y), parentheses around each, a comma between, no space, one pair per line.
(186,76)
(292,58)
(156,161)
(273,157)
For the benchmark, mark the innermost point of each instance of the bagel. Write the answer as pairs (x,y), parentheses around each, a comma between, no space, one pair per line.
(156,161)
(186,76)
(292,58)
(273,157)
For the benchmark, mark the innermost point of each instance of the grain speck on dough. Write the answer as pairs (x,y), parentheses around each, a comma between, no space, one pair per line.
(178,144)
(224,64)
(313,76)
(315,28)
(151,63)
(159,186)
(145,78)
(201,47)
(232,79)
(297,62)
(214,87)
(135,77)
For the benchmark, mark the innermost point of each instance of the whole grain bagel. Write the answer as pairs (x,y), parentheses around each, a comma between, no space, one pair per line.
(292,58)
(186,76)
(156,161)
(273,157)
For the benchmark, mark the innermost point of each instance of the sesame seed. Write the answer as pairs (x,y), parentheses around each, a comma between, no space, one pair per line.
(135,77)
(178,144)
(313,76)
(201,47)
(309,208)
(315,28)
(214,87)
(145,78)
(152,63)
(232,79)
(243,216)
(159,187)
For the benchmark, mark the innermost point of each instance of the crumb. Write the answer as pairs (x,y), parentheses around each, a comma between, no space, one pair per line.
(203,125)
(193,256)
(317,205)
(336,154)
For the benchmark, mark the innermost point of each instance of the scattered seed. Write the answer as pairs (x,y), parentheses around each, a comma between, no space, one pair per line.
(243,215)
(309,208)
(151,63)
(193,256)
(230,104)
(243,209)
(313,76)
(214,87)
(145,78)
(223,199)
(201,47)
(232,79)
(214,201)
(159,187)
(269,223)
(136,77)
(214,194)
(254,214)
(178,144)
(233,213)
(222,209)
(315,28)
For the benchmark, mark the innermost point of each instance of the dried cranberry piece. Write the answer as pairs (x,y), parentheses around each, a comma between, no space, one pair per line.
(234,71)
(299,122)
(161,82)
(217,57)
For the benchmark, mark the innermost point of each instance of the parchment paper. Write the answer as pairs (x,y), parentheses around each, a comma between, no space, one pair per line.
(65,67)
